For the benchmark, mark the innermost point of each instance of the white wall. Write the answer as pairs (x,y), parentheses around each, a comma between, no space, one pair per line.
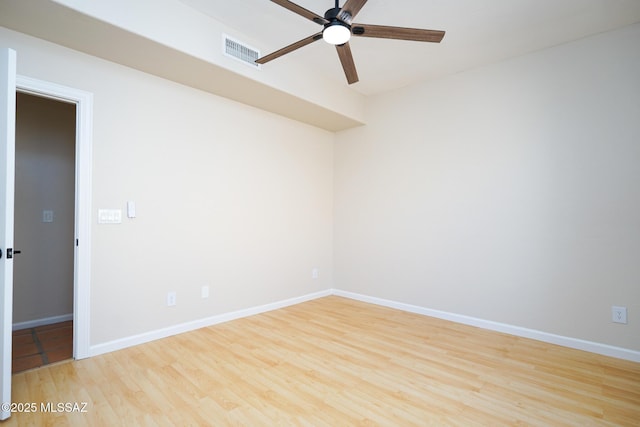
(227,196)
(45,180)
(509,193)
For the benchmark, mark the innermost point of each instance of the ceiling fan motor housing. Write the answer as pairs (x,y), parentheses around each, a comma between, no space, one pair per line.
(331,15)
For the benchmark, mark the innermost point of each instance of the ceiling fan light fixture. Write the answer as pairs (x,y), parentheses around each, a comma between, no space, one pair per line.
(338,27)
(336,33)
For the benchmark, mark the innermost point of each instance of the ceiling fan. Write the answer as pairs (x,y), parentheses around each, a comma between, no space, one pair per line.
(338,29)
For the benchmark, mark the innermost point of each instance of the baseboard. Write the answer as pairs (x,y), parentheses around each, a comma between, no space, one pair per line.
(41,322)
(590,346)
(197,324)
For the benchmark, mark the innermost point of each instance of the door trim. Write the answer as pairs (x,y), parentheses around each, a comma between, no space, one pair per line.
(82,252)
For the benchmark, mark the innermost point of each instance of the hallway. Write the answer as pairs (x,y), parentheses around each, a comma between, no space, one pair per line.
(35,347)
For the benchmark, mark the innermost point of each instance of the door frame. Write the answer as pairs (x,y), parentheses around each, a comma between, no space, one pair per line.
(82,249)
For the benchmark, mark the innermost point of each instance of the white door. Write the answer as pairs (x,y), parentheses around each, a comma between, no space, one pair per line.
(7,174)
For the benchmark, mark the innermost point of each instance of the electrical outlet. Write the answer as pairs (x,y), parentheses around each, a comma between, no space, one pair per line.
(314,273)
(171,299)
(619,314)
(204,292)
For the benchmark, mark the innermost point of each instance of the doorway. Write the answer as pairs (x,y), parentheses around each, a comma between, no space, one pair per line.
(9,84)
(83,102)
(43,231)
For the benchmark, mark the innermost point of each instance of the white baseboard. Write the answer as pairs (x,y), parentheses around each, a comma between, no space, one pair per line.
(590,346)
(197,324)
(41,322)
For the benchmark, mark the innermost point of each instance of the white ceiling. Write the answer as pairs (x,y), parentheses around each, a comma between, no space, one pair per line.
(478,32)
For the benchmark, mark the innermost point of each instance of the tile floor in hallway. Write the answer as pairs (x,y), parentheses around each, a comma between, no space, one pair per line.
(35,347)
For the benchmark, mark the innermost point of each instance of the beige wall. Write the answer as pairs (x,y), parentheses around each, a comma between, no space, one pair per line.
(45,180)
(509,193)
(227,196)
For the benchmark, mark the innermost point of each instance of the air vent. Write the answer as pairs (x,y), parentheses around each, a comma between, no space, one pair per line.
(240,51)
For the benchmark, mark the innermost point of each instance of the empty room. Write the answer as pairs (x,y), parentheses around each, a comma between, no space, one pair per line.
(320,213)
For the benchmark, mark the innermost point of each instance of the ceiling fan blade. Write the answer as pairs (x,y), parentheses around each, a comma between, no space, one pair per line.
(350,10)
(301,11)
(399,33)
(349,67)
(290,48)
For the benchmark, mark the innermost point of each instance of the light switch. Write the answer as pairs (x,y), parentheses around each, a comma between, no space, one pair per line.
(109,216)
(131,209)
(47,216)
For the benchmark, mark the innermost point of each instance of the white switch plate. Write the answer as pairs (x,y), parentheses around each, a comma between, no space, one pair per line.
(131,209)
(619,314)
(109,216)
(47,216)
(204,292)
(314,273)
(171,299)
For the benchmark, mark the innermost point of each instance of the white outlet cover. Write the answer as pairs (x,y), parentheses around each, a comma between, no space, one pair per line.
(314,273)
(204,293)
(619,314)
(171,299)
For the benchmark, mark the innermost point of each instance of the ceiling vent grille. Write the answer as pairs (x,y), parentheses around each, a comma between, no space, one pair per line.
(240,51)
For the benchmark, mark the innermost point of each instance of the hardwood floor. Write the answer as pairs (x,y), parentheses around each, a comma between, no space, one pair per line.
(336,362)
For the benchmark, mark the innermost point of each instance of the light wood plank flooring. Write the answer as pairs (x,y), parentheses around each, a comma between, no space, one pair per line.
(337,362)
